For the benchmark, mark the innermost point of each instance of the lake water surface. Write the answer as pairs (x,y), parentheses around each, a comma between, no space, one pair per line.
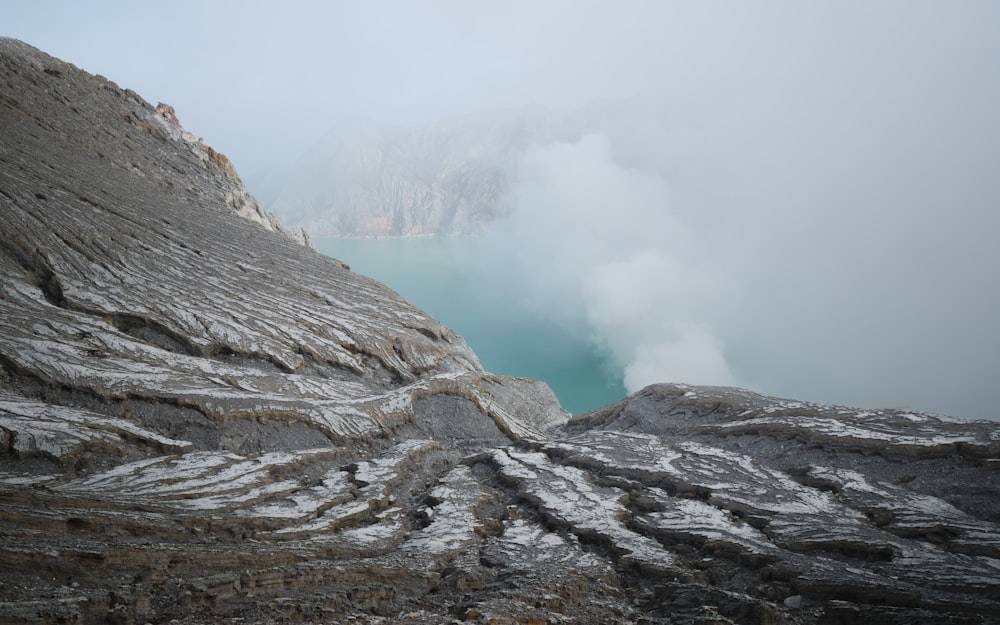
(444,277)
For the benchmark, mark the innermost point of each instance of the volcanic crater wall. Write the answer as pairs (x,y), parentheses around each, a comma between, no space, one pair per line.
(202,420)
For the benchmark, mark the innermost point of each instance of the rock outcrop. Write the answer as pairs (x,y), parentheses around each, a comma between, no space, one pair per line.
(204,421)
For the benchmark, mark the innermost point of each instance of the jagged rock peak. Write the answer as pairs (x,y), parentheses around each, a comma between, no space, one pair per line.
(202,421)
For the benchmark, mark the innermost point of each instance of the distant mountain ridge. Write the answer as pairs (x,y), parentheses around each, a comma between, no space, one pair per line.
(376,180)
(448,178)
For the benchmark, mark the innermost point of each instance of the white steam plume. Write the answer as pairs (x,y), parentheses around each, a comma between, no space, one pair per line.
(601,246)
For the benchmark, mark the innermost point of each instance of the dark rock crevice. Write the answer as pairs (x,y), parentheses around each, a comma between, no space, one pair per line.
(153,332)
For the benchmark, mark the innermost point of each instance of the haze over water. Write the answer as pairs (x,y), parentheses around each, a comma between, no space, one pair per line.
(445,277)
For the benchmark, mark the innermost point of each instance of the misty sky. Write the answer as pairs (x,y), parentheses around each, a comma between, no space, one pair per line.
(813,212)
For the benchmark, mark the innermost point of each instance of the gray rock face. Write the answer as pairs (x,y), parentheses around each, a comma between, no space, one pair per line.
(454,177)
(374,180)
(204,421)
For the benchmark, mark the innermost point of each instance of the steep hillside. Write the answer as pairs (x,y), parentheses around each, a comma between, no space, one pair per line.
(204,421)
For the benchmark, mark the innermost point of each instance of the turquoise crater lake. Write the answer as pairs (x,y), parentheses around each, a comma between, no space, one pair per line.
(443,276)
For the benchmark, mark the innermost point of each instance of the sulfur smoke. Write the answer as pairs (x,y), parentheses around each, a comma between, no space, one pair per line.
(600,245)
(831,247)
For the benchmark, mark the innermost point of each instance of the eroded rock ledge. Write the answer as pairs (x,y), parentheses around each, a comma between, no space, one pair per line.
(203,421)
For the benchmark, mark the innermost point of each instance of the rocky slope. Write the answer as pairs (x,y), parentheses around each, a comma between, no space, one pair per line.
(204,421)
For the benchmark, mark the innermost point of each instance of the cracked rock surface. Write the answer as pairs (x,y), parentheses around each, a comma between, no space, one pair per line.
(202,420)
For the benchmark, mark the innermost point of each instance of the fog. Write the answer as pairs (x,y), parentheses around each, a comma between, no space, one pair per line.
(601,245)
(806,202)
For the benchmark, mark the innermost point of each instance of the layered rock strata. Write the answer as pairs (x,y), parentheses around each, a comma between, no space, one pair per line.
(204,421)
